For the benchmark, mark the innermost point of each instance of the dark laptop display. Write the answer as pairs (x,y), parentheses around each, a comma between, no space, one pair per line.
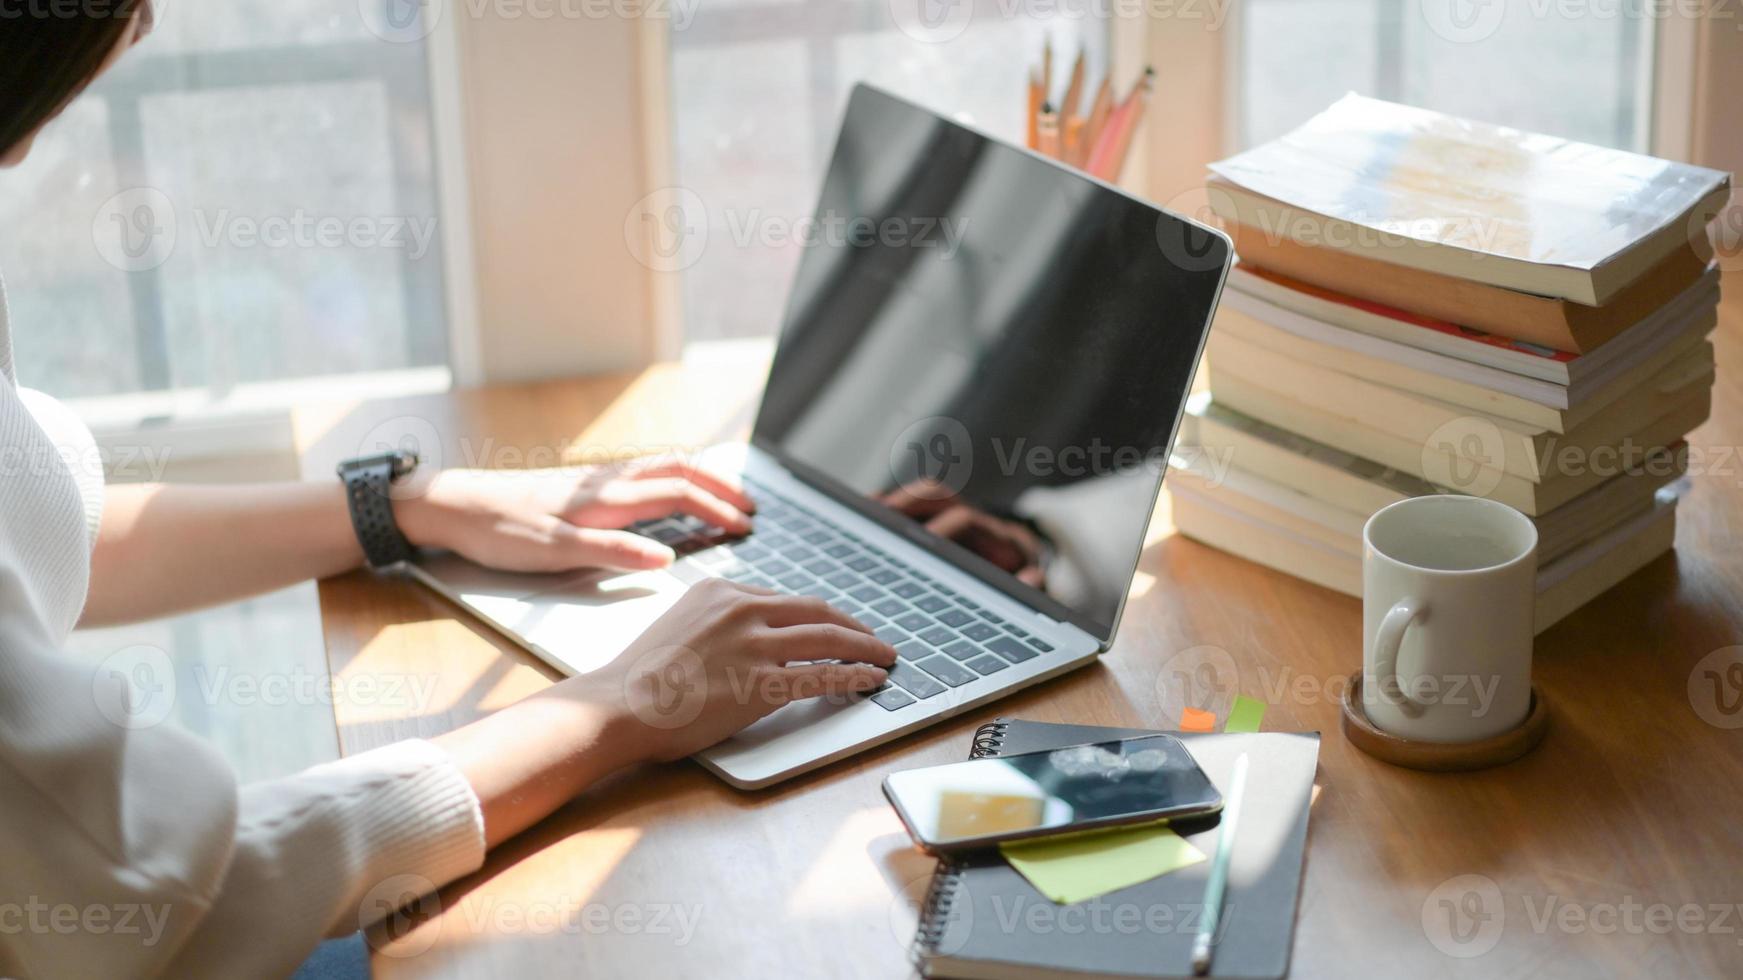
(991,350)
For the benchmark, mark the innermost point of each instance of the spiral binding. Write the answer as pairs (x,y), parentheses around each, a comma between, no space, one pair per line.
(989,738)
(941,895)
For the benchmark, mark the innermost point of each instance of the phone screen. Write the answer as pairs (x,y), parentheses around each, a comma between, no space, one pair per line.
(1038,793)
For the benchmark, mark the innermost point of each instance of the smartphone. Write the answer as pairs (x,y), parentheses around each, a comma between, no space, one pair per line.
(975,804)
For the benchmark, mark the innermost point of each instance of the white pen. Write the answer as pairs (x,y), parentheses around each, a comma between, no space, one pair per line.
(1219,871)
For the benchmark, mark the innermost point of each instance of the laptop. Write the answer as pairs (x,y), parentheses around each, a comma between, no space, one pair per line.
(980,372)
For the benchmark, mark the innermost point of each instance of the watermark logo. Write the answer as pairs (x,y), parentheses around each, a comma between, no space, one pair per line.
(1189,246)
(406,434)
(135,687)
(1716,688)
(1464,21)
(401,21)
(396,907)
(947,923)
(1467,454)
(38,917)
(1205,678)
(135,230)
(667,687)
(1723,231)
(933,458)
(667,231)
(932,21)
(1463,916)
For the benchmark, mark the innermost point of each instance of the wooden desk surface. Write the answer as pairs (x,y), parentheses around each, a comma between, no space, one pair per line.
(1616,848)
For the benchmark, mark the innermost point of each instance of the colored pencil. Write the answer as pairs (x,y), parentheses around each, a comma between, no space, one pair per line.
(1032,117)
(1047,141)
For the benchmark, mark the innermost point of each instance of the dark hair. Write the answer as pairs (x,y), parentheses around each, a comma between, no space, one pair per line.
(49,52)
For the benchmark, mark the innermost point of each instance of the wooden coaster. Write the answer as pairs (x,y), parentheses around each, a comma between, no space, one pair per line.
(1441,756)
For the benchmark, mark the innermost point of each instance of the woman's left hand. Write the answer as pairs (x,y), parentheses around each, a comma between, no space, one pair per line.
(557,520)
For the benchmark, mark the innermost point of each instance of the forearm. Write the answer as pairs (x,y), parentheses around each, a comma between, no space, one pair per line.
(532,757)
(168,549)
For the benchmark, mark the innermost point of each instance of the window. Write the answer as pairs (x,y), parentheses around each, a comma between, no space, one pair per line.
(247,199)
(1580,71)
(758,89)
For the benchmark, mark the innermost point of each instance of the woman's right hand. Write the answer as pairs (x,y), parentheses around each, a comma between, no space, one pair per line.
(726,655)
(722,657)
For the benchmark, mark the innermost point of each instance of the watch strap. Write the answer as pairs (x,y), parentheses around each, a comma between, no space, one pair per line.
(368,493)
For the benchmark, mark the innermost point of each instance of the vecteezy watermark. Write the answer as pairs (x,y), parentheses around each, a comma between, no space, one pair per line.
(40,917)
(1715,688)
(411,693)
(1463,917)
(140,228)
(1207,678)
(1723,232)
(942,21)
(667,688)
(138,687)
(135,687)
(1473,21)
(71,9)
(397,916)
(1466,916)
(132,463)
(391,912)
(932,458)
(1463,21)
(1101,917)
(411,21)
(1469,455)
(1360,230)
(669,230)
(136,230)
(940,920)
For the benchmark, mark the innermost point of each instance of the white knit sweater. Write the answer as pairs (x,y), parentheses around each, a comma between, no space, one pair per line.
(128,849)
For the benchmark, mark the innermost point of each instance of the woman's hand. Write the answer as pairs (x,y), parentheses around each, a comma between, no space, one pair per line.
(725,656)
(557,520)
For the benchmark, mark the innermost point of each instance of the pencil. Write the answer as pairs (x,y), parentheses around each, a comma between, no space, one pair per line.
(1108,158)
(1047,138)
(1098,116)
(1217,886)
(1141,97)
(1031,118)
(1069,109)
(1047,68)
(1074,152)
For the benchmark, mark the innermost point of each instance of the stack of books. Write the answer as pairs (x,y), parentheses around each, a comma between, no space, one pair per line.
(1424,304)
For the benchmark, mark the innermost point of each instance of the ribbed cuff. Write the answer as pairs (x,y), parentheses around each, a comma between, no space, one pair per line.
(424,826)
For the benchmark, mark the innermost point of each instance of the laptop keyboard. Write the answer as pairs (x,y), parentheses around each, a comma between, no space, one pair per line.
(943,639)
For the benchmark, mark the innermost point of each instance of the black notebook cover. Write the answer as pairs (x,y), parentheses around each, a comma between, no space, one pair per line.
(983,919)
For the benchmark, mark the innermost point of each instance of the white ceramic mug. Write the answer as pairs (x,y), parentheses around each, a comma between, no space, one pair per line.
(1449,588)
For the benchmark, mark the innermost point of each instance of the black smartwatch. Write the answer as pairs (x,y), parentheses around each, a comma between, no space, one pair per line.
(368,490)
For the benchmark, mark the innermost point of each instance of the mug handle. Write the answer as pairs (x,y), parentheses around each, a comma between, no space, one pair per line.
(1387,639)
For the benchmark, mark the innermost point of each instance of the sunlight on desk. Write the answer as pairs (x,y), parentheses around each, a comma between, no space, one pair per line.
(823,892)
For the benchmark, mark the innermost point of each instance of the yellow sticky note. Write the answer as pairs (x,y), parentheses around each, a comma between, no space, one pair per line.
(1079,867)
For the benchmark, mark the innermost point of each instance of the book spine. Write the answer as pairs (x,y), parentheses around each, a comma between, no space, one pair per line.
(935,909)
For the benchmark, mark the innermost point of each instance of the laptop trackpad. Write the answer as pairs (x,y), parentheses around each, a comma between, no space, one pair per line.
(582,620)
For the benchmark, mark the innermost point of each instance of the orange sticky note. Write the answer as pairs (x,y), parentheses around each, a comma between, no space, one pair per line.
(1197,720)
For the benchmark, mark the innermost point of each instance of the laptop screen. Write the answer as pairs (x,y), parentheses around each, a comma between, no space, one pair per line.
(990,352)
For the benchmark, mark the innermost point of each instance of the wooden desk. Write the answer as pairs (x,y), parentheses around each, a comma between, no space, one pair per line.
(1631,804)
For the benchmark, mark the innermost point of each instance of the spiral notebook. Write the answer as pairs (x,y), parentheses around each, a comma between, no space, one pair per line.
(981,919)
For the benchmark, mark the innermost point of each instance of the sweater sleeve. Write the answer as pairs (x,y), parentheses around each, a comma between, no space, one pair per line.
(132,852)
